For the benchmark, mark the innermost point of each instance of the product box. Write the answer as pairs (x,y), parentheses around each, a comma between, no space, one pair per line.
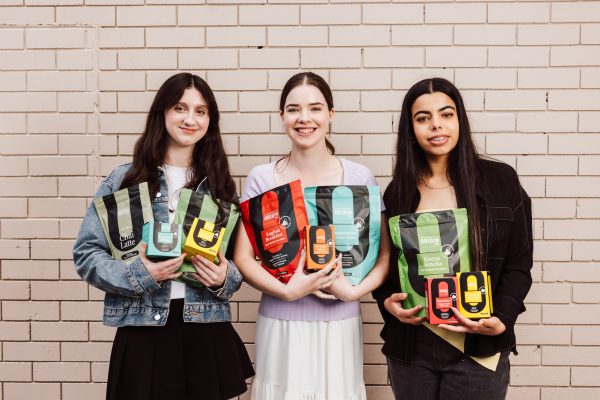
(203,239)
(320,246)
(440,296)
(475,294)
(430,244)
(355,212)
(163,240)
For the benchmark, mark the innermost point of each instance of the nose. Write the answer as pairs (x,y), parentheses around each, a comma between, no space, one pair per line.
(188,118)
(303,115)
(436,122)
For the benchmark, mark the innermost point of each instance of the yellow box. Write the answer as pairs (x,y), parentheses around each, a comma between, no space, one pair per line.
(475,294)
(204,239)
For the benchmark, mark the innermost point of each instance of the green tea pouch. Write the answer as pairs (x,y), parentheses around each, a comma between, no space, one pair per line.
(123,215)
(201,205)
(430,244)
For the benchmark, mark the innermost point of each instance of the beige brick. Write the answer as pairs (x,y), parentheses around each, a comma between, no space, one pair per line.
(243,165)
(56,81)
(11,38)
(122,80)
(552,250)
(528,355)
(575,144)
(244,123)
(549,78)
(55,3)
(264,144)
(575,314)
(588,121)
(422,35)
(107,59)
(590,78)
(473,99)
(33,187)
(590,34)
(571,272)
(57,123)
(14,290)
(52,249)
(30,310)
(27,15)
(12,81)
(15,371)
(444,57)
(54,38)
(146,16)
(547,34)
(373,122)
(478,78)
(394,57)
(346,144)
(29,269)
(29,228)
(235,36)
(28,391)
(248,312)
(542,376)
(259,101)
(540,335)
(77,102)
(575,55)
(103,16)
(547,293)
(361,79)
(14,331)
(455,13)
(148,59)
(230,142)
(107,102)
(22,60)
(76,186)
(59,290)
(135,101)
(575,229)
(576,12)
(107,164)
(375,374)
(57,165)
(207,15)
(14,249)
(589,165)
(346,100)
(555,393)
(586,293)
(586,335)
(519,13)
(13,166)
(379,392)
(174,37)
(269,58)
(81,311)
(392,13)
(90,391)
(72,351)
(58,371)
(371,333)
(330,58)
(522,56)
(67,271)
(127,143)
(269,15)
(484,34)
(372,354)
(237,80)
(75,60)
(547,121)
(297,36)
(491,122)
(121,37)
(337,14)
(554,208)
(515,100)
(585,376)
(586,251)
(68,228)
(380,100)
(27,102)
(31,351)
(547,165)
(362,35)
(12,123)
(516,144)
(101,333)
(523,393)
(404,79)
(573,99)
(380,166)
(122,123)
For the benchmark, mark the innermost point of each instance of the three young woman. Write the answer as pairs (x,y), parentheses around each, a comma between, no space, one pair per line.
(174,341)
(308,341)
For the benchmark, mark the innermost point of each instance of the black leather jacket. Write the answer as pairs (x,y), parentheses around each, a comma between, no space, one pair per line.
(508,253)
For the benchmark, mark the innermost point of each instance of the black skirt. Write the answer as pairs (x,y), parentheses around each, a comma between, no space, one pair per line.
(178,361)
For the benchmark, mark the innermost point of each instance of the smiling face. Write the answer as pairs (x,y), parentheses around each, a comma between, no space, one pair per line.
(187,121)
(306,117)
(435,123)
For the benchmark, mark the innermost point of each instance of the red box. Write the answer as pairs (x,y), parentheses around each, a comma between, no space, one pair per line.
(440,296)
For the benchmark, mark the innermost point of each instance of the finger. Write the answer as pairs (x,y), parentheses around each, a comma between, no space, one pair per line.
(174,276)
(454,328)
(200,279)
(143,248)
(222,260)
(462,319)
(413,320)
(398,296)
(322,295)
(300,266)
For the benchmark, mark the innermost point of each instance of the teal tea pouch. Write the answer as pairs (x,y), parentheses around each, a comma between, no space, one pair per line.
(355,212)
(123,215)
(201,205)
(163,240)
(430,244)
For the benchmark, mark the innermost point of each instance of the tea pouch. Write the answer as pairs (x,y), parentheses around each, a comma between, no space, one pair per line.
(123,215)
(355,212)
(201,205)
(274,222)
(430,244)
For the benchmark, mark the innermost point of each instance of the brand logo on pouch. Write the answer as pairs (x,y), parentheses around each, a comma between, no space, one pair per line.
(360,223)
(447,250)
(271,215)
(343,211)
(285,221)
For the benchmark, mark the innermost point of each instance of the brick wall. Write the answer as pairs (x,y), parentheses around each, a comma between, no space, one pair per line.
(76,78)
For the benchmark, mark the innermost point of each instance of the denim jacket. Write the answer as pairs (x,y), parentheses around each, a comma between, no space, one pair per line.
(132,296)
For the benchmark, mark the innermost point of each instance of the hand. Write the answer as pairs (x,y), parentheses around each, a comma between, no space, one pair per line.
(208,273)
(394,306)
(162,270)
(302,284)
(485,326)
(341,286)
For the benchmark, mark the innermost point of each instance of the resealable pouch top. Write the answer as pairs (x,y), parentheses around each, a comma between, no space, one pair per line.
(355,212)
(201,205)
(123,215)
(430,244)
(274,222)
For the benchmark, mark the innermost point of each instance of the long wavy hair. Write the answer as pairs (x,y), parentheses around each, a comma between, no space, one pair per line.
(309,78)
(402,194)
(208,157)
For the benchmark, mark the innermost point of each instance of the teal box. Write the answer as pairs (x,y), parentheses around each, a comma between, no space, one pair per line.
(163,239)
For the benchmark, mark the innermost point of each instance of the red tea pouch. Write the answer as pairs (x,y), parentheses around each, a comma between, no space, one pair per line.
(274,222)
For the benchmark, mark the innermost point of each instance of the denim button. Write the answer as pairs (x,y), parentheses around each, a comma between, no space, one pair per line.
(158,194)
(157,317)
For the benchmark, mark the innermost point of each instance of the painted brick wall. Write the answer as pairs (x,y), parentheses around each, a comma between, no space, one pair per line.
(76,78)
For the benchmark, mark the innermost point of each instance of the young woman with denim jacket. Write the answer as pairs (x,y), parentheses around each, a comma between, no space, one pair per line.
(174,341)
(437,167)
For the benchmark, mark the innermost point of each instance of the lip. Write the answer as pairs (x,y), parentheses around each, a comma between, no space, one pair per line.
(307,130)
(189,131)
(438,140)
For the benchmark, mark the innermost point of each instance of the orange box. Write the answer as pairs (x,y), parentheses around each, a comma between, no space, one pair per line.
(320,246)
(441,295)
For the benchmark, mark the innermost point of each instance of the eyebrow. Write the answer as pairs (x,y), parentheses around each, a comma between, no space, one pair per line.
(188,106)
(440,110)
(311,104)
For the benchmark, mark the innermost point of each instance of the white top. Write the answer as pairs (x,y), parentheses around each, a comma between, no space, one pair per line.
(176,178)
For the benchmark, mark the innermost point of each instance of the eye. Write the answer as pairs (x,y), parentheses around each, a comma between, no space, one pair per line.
(448,115)
(201,112)
(316,109)
(179,108)
(292,109)
(421,118)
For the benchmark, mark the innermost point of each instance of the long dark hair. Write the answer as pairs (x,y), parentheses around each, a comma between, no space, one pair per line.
(208,157)
(402,195)
(309,78)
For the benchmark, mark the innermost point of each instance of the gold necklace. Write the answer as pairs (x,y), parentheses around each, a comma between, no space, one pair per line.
(435,188)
